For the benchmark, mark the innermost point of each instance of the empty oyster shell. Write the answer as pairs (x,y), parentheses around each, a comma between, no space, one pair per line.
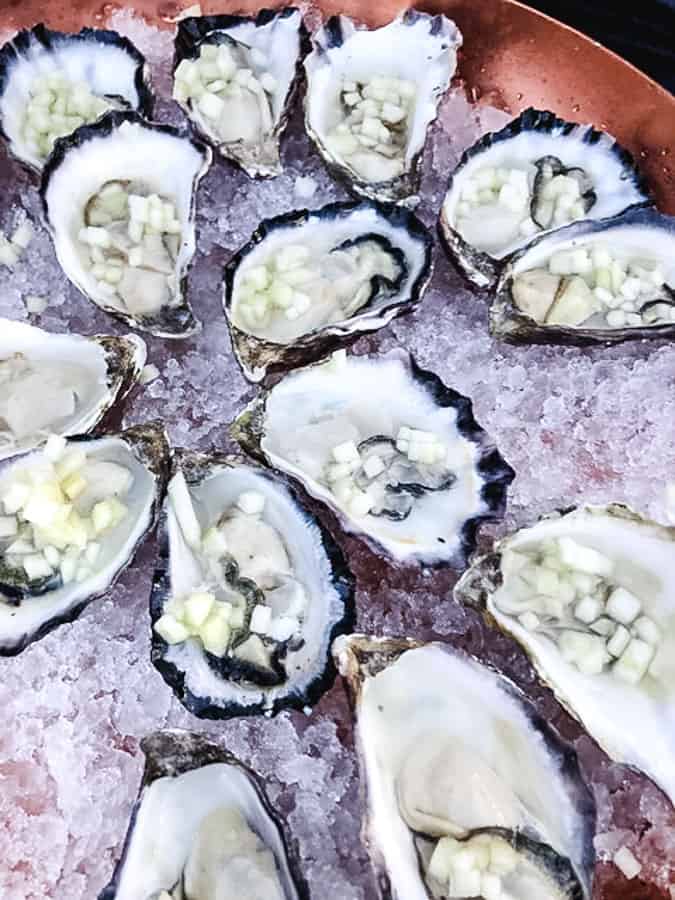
(219,836)
(386,445)
(371,96)
(74,514)
(60,383)
(310,282)
(590,594)
(538,173)
(593,281)
(52,83)
(249,593)
(235,76)
(468,792)
(119,200)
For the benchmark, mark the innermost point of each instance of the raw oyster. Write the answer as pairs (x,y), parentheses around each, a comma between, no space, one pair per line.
(590,594)
(235,77)
(52,83)
(371,96)
(310,282)
(59,383)
(468,791)
(592,281)
(536,174)
(249,593)
(219,836)
(388,446)
(119,199)
(73,515)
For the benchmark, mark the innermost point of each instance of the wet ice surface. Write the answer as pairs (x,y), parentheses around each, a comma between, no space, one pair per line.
(593,425)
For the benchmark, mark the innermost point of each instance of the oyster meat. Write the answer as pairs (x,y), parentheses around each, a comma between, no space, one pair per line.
(235,77)
(52,83)
(468,792)
(119,199)
(310,282)
(388,446)
(592,281)
(590,594)
(537,174)
(72,517)
(372,94)
(249,594)
(59,383)
(219,837)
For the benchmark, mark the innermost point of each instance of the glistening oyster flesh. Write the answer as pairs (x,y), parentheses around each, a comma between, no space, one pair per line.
(593,281)
(73,515)
(371,96)
(249,594)
(219,836)
(119,199)
(538,173)
(388,446)
(468,792)
(52,83)
(59,383)
(235,76)
(591,597)
(309,282)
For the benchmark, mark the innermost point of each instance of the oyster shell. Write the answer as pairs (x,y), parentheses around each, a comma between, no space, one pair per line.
(538,173)
(60,383)
(235,77)
(468,792)
(52,83)
(119,200)
(593,281)
(219,838)
(386,445)
(590,594)
(73,515)
(249,593)
(371,96)
(310,282)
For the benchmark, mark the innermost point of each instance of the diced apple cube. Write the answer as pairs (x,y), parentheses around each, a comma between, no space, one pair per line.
(623,606)
(647,629)
(197,608)
(634,663)
(261,618)
(171,630)
(8,526)
(440,862)
(584,559)
(36,566)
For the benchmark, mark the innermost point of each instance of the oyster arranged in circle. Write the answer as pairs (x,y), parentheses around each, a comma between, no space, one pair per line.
(72,517)
(235,77)
(468,792)
(60,383)
(219,835)
(590,595)
(592,281)
(309,282)
(537,174)
(386,445)
(372,94)
(119,200)
(51,83)
(249,593)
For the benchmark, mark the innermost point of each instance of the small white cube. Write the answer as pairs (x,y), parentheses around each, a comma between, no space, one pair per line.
(261,618)
(374,466)
(623,606)
(346,452)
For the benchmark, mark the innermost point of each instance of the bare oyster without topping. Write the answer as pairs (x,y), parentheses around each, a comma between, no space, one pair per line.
(371,96)
(250,592)
(219,836)
(235,77)
(468,791)
(52,83)
(310,282)
(119,200)
(59,384)
(591,596)
(536,174)
(388,446)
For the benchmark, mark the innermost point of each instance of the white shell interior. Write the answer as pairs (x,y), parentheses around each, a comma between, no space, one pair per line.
(635,724)
(170,811)
(312,410)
